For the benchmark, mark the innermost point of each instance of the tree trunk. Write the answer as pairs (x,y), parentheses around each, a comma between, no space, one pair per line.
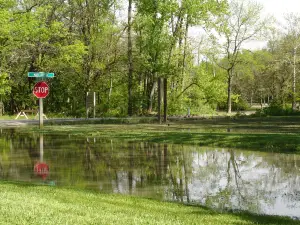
(159,99)
(294,83)
(185,45)
(150,100)
(130,66)
(229,91)
(165,99)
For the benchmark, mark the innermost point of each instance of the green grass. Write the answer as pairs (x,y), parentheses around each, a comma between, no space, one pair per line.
(7,117)
(22,203)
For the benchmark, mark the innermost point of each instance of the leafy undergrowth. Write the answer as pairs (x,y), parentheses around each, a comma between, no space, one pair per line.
(30,204)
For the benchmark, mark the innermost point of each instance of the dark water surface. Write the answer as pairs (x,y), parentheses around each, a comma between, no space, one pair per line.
(224,179)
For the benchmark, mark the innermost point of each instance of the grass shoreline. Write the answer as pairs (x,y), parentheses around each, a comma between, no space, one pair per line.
(54,205)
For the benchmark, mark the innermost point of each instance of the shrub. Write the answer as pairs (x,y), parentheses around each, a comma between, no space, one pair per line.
(276,108)
(238,104)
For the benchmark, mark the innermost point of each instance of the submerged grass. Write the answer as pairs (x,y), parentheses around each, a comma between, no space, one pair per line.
(269,136)
(31,204)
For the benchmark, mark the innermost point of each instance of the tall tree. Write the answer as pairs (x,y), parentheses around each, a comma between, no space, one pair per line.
(162,34)
(243,23)
(292,35)
(130,63)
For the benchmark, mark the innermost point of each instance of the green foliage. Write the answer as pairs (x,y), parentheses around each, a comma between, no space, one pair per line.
(277,108)
(84,45)
(4,84)
(204,89)
(238,104)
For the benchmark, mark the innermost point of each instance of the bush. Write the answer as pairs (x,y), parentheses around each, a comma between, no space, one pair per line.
(240,105)
(276,108)
(236,105)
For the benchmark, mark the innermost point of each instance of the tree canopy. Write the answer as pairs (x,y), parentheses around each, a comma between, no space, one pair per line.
(134,65)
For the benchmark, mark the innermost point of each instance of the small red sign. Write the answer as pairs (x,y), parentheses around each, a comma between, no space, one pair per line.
(41,89)
(41,170)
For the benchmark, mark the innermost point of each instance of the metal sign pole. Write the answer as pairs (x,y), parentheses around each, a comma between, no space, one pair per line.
(41,113)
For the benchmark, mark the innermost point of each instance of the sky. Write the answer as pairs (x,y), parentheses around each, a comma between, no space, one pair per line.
(277,8)
(280,7)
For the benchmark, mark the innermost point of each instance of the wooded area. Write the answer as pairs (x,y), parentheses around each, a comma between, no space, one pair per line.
(146,61)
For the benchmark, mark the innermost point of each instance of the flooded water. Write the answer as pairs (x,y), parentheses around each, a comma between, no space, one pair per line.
(223,179)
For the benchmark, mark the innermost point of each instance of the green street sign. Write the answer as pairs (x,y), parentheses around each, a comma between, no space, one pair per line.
(40,74)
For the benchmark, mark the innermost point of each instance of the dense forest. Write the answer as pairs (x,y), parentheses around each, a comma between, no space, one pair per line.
(138,57)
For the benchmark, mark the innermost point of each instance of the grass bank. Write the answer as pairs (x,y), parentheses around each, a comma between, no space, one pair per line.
(30,204)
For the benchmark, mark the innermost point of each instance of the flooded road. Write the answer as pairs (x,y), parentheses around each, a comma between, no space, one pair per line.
(224,179)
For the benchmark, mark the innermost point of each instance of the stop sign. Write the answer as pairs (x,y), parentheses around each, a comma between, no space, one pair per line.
(41,89)
(41,170)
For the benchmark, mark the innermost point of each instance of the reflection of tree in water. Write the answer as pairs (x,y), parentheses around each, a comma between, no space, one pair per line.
(129,167)
(13,158)
(242,181)
(222,179)
(286,166)
(229,189)
(180,172)
(90,161)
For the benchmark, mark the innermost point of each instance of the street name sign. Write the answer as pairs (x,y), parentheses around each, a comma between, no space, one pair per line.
(40,74)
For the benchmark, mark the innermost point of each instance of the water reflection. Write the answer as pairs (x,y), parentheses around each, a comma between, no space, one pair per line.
(222,179)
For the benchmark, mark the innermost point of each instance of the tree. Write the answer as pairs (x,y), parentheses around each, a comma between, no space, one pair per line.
(129,53)
(242,24)
(5,42)
(162,39)
(252,82)
(293,36)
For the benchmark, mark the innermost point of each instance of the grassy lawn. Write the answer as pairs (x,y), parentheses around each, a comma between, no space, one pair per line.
(29,204)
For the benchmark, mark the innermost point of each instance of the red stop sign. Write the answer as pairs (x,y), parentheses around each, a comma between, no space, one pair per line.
(41,89)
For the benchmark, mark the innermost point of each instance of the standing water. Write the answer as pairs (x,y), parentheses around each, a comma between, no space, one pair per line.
(223,179)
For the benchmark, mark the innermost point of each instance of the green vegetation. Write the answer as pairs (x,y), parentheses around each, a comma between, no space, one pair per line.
(158,68)
(29,204)
(146,65)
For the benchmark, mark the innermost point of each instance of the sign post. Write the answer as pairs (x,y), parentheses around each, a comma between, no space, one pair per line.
(41,90)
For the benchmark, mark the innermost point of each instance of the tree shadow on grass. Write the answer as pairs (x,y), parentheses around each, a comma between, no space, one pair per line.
(282,143)
(268,220)
(254,218)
